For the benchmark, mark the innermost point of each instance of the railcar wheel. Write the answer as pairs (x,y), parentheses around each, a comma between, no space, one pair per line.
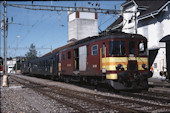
(67,79)
(52,77)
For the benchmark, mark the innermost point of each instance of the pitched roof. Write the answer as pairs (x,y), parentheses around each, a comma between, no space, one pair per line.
(116,22)
(150,5)
(165,39)
(58,49)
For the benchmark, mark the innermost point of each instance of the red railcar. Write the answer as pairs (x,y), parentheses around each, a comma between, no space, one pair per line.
(1,69)
(119,59)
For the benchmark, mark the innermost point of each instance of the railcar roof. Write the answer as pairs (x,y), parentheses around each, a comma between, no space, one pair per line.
(110,34)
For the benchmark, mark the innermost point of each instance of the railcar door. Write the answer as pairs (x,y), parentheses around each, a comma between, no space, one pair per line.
(83,58)
(76,59)
(51,65)
(55,65)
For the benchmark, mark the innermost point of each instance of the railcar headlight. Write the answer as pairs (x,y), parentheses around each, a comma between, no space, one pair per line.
(103,70)
(119,67)
(144,66)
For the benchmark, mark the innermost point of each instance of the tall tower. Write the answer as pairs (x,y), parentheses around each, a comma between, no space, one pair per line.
(81,25)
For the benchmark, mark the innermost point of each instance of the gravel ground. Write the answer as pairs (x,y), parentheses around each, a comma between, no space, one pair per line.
(18,99)
(13,102)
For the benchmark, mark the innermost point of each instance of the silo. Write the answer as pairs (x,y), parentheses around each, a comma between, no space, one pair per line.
(81,25)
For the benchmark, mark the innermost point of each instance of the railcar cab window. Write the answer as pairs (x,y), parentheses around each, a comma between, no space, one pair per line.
(117,47)
(95,49)
(142,48)
(132,47)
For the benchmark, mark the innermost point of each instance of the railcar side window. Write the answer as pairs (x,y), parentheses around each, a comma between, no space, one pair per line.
(69,55)
(63,56)
(59,56)
(131,47)
(142,48)
(117,48)
(95,49)
(103,49)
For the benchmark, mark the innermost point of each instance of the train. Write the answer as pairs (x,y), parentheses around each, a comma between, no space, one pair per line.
(117,59)
(1,69)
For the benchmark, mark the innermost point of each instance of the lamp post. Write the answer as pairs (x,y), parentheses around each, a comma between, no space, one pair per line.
(16,57)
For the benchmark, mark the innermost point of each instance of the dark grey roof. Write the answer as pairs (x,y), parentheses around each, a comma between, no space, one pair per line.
(165,39)
(151,5)
(116,22)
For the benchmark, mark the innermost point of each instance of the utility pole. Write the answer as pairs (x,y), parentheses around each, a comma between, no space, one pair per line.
(135,22)
(0,31)
(5,76)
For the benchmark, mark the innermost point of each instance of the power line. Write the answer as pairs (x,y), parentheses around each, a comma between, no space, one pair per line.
(23,48)
(64,8)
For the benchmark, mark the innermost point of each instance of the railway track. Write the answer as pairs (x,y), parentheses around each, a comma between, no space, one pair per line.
(160,98)
(91,102)
(158,84)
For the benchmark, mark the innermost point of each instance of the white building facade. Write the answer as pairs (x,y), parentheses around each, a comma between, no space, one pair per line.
(10,65)
(152,20)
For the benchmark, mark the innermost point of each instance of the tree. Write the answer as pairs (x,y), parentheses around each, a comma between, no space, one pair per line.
(32,53)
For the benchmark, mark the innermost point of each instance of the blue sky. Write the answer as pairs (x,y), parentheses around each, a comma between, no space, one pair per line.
(43,28)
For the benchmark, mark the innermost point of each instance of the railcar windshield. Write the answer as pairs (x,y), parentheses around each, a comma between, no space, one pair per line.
(132,47)
(117,47)
(142,48)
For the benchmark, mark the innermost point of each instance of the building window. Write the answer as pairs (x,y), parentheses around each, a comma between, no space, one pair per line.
(69,55)
(95,49)
(130,21)
(155,65)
